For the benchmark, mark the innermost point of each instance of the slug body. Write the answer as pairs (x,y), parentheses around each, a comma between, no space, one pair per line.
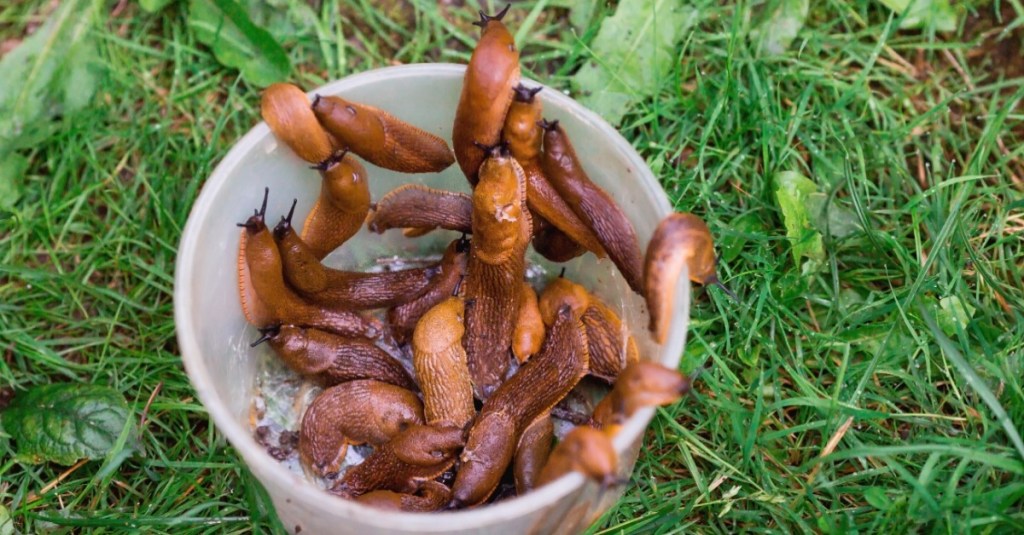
(355,412)
(530,393)
(342,207)
(552,243)
(528,334)
(430,497)
(422,208)
(286,110)
(680,240)
(264,277)
(585,450)
(497,266)
(641,384)
(336,359)
(440,363)
(559,292)
(532,453)
(592,204)
(387,469)
(380,138)
(611,346)
(403,318)
(492,72)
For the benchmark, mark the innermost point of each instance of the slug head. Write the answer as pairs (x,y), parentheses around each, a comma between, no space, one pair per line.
(526,94)
(345,183)
(355,121)
(646,384)
(257,221)
(562,292)
(593,454)
(497,208)
(268,333)
(284,227)
(441,327)
(485,19)
(426,445)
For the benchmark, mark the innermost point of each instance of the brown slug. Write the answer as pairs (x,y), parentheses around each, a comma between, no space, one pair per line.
(354,290)
(528,334)
(611,346)
(533,391)
(641,384)
(585,450)
(334,359)
(532,453)
(492,72)
(380,138)
(404,463)
(356,412)
(342,206)
(562,291)
(552,243)
(403,318)
(286,110)
(496,268)
(422,208)
(431,496)
(681,239)
(592,204)
(524,135)
(440,363)
(263,277)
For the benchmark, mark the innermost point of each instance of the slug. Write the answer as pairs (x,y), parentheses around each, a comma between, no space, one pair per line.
(562,291)
(533,391)
(592,204)
(380,138)
(431,496)
(528,334)
(440,363)
(611,347)
(422,208)
(403,318)
(432,448)
(641,384)
(552,243)
(492,72)
(496,268)
(585,450)
(354,290)
(524,135)
(355,412)
(261,274)
(681,239)
(286,110)
(342,207)
(532,453)
(334,359)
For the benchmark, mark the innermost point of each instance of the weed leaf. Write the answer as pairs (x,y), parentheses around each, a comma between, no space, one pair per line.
(924,14)
(777,32)
(792,193)
(237,42)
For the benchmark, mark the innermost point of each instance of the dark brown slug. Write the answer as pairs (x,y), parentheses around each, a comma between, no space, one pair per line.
(611,346)
(552,243)
(532,453)
(440,363)
(592,204)
(422,208)
(431,496)
(286,110)
(334,359)
(641,384)
(380,138)
(342,206)
(492,72)
(403,318)
(585,450)
(355,412)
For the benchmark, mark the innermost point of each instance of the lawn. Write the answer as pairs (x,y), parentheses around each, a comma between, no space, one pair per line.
(868,380)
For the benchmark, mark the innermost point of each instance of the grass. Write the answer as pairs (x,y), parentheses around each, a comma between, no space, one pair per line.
(829,403)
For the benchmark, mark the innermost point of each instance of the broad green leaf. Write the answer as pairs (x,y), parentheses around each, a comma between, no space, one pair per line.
(6,522)
(65,422)
(831,218)
(782,25)
(732,242)
(953,314)
(924,14)
(238,43)
(877,498)
(12,171)
(153,6)
(634,50)
(792,191)
(34,77)
(286,20)
(582,12)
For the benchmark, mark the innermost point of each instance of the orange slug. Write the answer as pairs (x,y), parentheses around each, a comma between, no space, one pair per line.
(356,412)
(403,464)
(585,450)
(497,266)
(528,334)
(611,347)
(380,138)
(263,276)
(354,290)
(403,318)
(641,384)
(492,72)
(681,239)
(440,363)
(422,208)
(524,135)
(342,207)
(431,496)
(533,391)
(332,358)
(552,243)
(532,453)
(562,291)
(592,204)
(286,110)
